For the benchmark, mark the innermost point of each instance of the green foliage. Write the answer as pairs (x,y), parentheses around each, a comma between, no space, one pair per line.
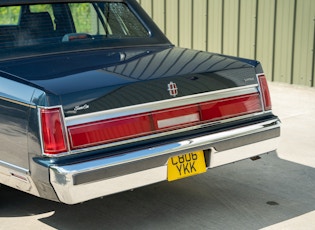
(81,13)
(9,15)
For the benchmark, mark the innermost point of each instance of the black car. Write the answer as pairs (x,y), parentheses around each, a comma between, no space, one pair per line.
(95,100)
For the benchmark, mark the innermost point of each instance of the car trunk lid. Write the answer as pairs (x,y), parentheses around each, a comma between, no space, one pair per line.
(116,97)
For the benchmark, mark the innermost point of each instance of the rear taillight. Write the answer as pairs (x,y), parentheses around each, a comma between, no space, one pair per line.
(265,92)
(108,130)
(53,132)
(123,128)
(230,107)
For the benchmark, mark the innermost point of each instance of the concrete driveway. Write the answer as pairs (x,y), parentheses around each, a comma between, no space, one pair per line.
(270,193)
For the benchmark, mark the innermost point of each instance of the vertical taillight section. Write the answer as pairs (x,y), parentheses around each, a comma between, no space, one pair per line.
(265,92)
(53,132)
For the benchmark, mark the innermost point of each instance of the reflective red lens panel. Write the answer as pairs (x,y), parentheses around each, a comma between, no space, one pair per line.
(265,92)
(52,131)
(117,129)
(106,131)
(230,107)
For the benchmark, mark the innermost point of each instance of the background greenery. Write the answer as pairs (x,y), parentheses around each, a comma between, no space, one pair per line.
(9,15)
(81,15)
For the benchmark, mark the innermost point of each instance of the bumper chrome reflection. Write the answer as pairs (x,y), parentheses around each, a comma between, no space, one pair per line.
(84,181)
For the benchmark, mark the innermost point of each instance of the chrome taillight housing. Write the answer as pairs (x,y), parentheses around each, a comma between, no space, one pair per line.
(54,138)
(59,138)
(265,92)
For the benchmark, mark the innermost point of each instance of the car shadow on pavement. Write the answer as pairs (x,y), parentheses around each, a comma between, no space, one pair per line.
(245,195)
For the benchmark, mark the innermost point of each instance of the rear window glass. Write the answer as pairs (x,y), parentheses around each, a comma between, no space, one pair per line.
(66,26)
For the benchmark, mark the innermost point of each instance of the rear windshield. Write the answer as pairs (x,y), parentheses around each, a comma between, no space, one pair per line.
(39,28)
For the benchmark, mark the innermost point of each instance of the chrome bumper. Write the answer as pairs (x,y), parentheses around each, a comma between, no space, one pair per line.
(88,180)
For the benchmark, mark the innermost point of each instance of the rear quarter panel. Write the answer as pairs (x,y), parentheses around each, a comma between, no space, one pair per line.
(15,106)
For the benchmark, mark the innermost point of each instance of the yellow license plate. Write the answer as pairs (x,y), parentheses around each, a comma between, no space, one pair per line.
(186,165)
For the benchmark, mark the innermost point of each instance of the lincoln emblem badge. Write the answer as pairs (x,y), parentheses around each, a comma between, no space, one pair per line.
(172,89)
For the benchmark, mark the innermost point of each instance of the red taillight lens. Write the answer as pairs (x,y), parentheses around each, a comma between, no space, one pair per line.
(109,130)
(53,135)
(265,92)
(230,107)
(123,128)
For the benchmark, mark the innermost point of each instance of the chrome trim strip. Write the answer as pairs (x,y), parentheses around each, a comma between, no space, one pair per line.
(159,105)
(14,167)
(233,155)
(17,102)
(76,194)
(62,177)
(15,92)
(260,91)
(181,146)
